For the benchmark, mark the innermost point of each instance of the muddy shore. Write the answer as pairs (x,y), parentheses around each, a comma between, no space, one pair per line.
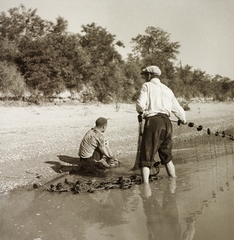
(36,139)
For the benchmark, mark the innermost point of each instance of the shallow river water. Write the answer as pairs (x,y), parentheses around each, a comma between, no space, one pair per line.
(197,205)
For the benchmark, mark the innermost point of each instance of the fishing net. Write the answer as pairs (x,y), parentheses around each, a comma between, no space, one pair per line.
(83,185)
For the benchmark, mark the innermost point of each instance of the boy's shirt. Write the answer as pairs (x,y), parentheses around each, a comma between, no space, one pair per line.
(91,141)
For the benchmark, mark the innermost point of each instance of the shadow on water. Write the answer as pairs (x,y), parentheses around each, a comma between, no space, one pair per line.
(198,204)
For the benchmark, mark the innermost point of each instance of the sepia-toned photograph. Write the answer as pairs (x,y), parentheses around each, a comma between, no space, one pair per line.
(116,119)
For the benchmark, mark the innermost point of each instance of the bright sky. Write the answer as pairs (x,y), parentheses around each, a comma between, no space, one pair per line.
(204,28)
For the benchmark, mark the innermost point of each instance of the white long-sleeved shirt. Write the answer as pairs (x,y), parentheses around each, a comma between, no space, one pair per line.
(155,98)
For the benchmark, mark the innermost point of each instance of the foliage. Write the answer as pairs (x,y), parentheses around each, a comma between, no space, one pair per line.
(42,57)
(155,48)
(22,22)
(103,71)
(11,81)
(133,80)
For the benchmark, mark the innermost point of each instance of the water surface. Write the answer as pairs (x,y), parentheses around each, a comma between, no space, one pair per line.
(198,204)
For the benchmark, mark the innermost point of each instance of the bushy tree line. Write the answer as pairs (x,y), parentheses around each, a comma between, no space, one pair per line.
(42,58)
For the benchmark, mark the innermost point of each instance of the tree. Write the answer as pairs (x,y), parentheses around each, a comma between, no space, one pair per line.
(133,80)
(11,81)
(8,50)
(41,61)
(22,22)
(232,89)
(78,60)
(53,62)
(23,34)
(155,48)
(226,88)
(103,70)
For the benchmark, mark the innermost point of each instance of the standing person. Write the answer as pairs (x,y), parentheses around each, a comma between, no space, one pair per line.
(94,151)
(155,104)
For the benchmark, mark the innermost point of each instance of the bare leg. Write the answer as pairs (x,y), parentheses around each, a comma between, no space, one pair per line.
(147,190)
(172,185)
(170,169)
(145,172)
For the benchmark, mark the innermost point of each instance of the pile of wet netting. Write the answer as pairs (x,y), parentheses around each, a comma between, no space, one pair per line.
(83,185)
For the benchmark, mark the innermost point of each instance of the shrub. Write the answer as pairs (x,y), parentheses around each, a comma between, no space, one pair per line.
(11,81)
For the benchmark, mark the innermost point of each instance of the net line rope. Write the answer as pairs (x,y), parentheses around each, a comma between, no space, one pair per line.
(208,131)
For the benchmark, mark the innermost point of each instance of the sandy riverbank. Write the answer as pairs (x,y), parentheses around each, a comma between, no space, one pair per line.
(32,137)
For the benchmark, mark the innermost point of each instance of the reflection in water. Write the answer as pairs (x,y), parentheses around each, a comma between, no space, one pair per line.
(162,220)
(190,229)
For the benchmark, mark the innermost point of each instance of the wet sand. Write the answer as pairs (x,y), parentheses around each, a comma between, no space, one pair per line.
(198,204)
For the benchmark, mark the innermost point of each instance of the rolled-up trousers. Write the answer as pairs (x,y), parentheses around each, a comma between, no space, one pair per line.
(157,137)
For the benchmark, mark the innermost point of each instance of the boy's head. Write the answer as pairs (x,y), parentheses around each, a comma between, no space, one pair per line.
(101,123)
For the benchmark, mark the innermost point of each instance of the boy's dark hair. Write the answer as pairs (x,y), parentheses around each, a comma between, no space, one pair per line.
(101,122)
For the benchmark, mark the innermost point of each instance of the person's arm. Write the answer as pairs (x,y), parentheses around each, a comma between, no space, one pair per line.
(104,151)
(142,99)
(178,110)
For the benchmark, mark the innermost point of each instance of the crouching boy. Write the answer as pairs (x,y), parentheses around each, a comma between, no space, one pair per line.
(94,151)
